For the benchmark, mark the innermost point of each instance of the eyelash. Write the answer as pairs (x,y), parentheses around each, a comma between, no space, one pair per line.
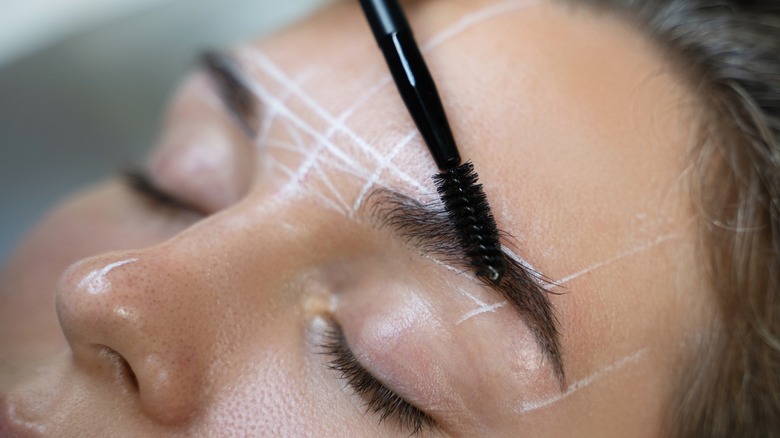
(380,400)
(139,182)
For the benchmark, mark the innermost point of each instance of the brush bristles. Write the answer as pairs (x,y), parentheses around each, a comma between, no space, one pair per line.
(468,209)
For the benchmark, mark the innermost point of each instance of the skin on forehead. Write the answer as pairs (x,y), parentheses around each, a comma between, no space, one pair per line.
(579,130)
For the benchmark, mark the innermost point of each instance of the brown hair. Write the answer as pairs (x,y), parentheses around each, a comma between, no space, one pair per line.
(729,51)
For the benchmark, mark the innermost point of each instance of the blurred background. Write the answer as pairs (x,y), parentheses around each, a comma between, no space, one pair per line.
(83,85)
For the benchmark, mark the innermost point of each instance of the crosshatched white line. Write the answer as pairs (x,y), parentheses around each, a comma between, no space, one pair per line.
(349,167)
(269,115)
(272,102)
(289,147)
(277,73)
(381,168)
(482,310)
(528,407)
(328,203)
(338,124)
(332,189)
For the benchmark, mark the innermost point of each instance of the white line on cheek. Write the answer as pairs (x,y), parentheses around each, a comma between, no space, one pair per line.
(531,406)
(96,282)
(640,249)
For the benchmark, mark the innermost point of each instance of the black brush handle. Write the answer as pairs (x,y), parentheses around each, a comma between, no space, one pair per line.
(413,79)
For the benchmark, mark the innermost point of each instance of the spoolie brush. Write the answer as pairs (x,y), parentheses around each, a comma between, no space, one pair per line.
(468,208)
(463,199)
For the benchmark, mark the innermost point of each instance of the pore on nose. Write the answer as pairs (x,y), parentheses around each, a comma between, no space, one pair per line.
(120,313)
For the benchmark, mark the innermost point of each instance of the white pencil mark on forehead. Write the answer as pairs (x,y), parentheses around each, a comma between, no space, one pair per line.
(320,153)
(471,20)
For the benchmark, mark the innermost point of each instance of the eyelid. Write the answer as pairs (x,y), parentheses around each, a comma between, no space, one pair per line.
(381,400)
(427,228)
(140,182)
(232,88)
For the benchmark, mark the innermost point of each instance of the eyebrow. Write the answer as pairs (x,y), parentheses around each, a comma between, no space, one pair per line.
(232,88)
(427,228)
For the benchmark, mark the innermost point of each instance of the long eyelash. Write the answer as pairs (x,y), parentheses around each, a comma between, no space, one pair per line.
(139,182)
(380,399)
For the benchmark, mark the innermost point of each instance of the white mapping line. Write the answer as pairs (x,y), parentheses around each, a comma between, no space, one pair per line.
(270,116)
(329,185)
(277,73)
(642,248)
(365,97)
(522,262)
(527,407)
(272,102)
(485,309)
(295,135)
(296,177)
(451,268)
(476,300)
(540,280)
(95,282)
(380,168)
(464,24)
(475,18)
(285,146)
(274,163)
(312,163)
(350,168)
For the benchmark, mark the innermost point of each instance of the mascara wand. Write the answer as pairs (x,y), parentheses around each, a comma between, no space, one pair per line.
(464,200)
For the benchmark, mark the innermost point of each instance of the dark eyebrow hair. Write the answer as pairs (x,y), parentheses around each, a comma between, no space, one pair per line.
(427,228)
(232,88)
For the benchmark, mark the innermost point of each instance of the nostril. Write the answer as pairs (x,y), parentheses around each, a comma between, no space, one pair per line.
(123,372)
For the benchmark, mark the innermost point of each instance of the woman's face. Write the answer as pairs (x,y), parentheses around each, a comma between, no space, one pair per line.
(278,281)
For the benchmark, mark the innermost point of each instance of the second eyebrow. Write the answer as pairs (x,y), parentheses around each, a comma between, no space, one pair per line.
(428,229)
(232,88)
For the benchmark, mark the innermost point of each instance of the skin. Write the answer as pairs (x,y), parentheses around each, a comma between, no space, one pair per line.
(579,129)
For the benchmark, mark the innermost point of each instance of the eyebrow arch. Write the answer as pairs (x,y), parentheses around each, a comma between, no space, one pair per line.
(232,88)
(427,228)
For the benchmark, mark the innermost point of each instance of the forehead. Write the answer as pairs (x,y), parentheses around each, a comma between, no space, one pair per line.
(519,80)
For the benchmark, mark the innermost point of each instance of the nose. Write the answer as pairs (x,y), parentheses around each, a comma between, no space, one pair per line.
(124,325)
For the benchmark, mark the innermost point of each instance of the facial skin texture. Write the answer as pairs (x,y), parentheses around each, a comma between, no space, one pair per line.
(579,130)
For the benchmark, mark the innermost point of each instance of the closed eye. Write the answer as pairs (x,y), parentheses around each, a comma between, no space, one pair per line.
(140,183)
(379,399)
